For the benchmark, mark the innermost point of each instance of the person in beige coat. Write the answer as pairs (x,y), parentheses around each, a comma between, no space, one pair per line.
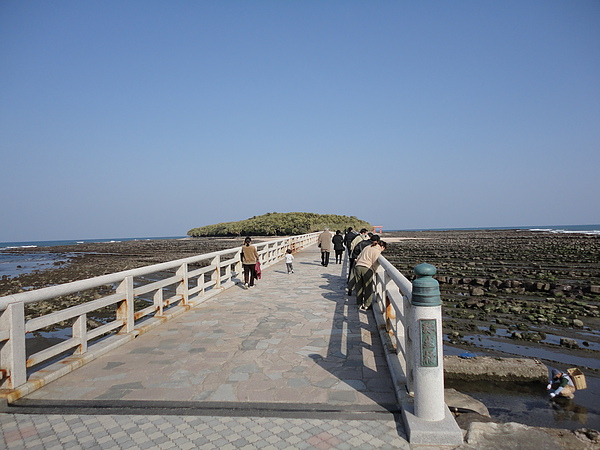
(326,245)
(365,268)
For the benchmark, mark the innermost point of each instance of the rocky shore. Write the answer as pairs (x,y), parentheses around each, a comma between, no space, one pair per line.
(513,285)
(488,279)
(516,293)
(534,289)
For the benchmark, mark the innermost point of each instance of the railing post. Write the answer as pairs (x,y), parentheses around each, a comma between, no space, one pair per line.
(183,286)
(428,356)
(125,308)
(379,288)
(12,353)
(216,277)
(80,333)
(158,302)
(408,343)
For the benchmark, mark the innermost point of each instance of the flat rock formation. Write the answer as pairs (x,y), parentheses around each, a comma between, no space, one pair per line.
(458,402)
(486,368)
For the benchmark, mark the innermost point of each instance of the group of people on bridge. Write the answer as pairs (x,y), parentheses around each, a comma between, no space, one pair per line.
(363,249)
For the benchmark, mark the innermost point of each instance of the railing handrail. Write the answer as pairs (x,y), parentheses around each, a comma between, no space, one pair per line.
(90,283)
(392,312)
(399,279)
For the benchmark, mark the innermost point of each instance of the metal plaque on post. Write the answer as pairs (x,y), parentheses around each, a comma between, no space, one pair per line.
(429,351)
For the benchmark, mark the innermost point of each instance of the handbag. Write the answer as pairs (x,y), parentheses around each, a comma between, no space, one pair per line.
(257,270)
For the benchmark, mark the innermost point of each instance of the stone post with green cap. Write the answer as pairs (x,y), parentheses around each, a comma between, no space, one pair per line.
(428,356)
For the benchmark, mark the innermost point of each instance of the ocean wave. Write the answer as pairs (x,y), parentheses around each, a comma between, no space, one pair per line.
(18,247)
(563,231)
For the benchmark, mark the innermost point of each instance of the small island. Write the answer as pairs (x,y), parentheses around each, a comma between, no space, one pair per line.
(280,224)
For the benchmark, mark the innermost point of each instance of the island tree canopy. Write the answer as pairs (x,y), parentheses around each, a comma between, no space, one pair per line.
(280,224)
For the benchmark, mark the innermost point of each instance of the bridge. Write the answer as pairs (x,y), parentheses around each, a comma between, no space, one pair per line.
(190,358)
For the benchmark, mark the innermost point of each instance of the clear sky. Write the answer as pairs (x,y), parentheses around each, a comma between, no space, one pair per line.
(148,118)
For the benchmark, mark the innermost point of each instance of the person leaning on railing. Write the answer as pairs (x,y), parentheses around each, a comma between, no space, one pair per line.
(360,242)
(365,268)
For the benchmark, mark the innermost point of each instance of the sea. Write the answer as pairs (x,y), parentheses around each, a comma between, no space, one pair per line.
(13,264)
(581,229)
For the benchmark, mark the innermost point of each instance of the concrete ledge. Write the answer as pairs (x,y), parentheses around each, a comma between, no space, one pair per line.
(440,433)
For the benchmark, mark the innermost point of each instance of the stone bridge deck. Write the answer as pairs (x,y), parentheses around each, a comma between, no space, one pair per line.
(290,363)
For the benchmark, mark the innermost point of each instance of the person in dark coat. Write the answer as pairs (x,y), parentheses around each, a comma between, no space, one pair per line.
(338,246)
(349,237)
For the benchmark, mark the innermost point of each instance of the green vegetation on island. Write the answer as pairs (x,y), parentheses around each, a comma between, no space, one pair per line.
(280,224)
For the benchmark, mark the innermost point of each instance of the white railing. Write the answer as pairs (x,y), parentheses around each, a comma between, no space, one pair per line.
(392,308)
(188,282)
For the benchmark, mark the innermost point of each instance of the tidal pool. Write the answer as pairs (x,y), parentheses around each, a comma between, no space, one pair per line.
(528,403)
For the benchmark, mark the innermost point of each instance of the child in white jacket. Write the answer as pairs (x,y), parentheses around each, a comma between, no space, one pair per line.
(289,259)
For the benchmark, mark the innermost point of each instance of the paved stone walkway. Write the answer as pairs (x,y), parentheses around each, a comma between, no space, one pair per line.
(53,431)
(290,363)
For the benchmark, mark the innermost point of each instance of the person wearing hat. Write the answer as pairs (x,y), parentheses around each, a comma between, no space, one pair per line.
(560,385)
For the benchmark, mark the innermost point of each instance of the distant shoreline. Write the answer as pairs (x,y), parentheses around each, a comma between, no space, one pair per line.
(27,257)
(584,229)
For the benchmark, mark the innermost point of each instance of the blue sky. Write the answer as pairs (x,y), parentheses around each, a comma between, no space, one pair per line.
(148,118)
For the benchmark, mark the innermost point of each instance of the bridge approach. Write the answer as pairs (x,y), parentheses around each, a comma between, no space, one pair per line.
(290,363)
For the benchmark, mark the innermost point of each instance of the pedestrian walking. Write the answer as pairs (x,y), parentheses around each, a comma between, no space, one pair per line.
(289,261)
(325,244)
(338,246)
(249,259)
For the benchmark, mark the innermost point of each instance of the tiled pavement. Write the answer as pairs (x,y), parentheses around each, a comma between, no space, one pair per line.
(53,431)
(292,363)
